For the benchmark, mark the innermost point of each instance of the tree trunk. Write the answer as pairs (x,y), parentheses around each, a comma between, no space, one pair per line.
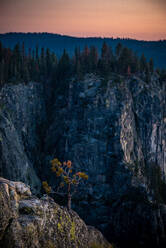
(69,198)
(69,202)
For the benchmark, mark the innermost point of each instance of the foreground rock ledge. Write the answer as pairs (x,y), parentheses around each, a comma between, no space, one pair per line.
(26,221)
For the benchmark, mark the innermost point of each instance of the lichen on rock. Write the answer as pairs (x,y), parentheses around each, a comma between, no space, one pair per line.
(40,223)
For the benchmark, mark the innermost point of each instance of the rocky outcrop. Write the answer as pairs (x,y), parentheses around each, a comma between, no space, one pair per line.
(26,221)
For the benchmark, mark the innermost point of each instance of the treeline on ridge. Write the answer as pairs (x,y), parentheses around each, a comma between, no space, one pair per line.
(18,65)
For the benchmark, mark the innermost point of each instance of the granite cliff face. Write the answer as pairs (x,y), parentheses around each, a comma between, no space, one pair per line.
(114,130)
(26,221)
(22,111)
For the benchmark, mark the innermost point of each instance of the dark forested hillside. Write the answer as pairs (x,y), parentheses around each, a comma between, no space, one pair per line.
(56,43)
(41,64)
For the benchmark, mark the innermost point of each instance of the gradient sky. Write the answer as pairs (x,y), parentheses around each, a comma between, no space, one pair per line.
(140,19)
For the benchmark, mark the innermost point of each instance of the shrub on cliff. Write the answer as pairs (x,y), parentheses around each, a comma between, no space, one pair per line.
(69,179)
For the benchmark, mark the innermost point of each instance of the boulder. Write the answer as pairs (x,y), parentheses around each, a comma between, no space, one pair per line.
(27,221)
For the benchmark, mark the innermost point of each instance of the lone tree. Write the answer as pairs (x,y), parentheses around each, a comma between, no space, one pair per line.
(69,179)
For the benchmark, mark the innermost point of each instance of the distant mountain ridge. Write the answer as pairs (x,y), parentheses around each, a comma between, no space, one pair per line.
(57,43)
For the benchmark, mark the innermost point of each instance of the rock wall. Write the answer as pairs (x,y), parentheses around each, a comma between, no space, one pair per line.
(26,221)
(114,130)
(22,111)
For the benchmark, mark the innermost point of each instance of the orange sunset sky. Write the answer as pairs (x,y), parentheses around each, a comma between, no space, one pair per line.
(140,19)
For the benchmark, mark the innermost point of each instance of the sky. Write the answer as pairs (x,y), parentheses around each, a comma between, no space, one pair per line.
(137,19)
